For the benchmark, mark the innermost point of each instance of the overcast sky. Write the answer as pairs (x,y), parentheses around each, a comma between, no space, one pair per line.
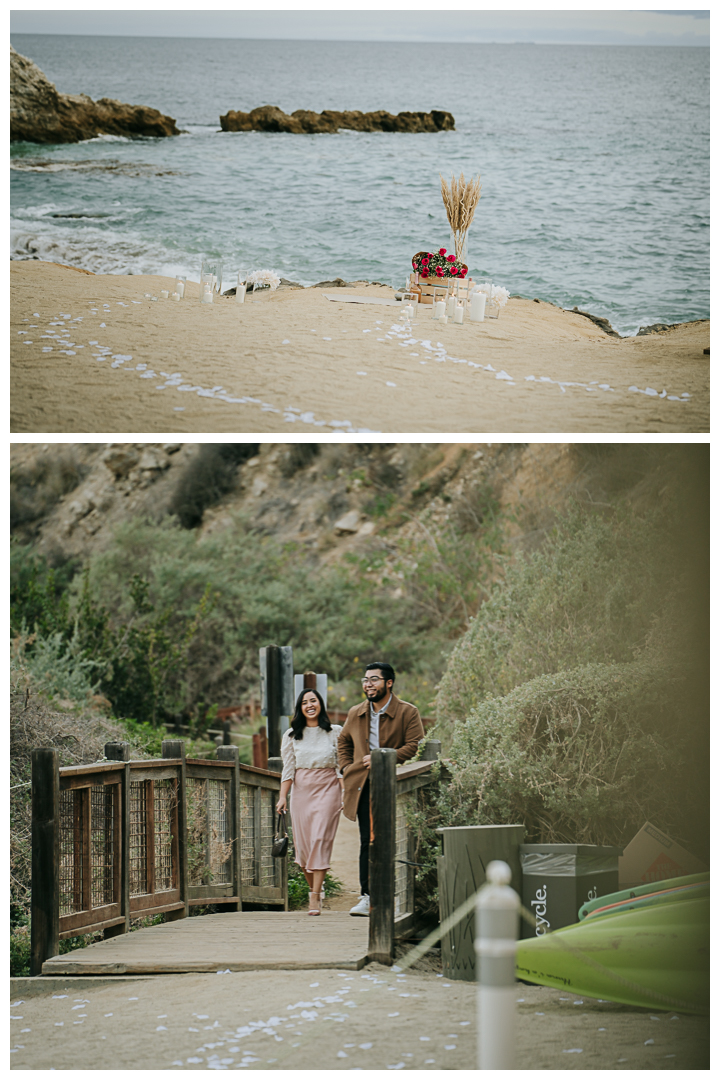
(416,23)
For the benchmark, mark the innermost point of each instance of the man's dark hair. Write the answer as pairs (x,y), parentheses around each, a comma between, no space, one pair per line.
(387,670)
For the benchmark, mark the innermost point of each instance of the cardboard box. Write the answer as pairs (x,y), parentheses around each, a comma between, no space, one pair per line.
(653,856)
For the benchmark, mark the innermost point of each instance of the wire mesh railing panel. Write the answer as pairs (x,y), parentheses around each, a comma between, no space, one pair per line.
(71,853)
(269,870)
(165,802)
(247,834)
(138,838)
(403,876)
(102,843)
(209,833)
(220,841)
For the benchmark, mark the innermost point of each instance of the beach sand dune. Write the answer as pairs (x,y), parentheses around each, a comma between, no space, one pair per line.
(91,354)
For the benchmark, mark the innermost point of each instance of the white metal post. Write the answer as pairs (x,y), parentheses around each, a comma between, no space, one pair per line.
(496,929)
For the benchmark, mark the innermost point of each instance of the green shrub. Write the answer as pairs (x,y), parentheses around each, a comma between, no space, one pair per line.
(589,594)
(585,756)
(299,890)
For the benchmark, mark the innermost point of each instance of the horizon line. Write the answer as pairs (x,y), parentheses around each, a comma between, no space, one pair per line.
(377,41)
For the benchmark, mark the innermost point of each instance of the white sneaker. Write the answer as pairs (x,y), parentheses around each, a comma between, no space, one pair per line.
(362,907)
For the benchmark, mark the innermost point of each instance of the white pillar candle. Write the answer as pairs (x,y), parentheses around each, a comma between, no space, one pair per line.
(442,318)
(207,297)
(477,307)
(240,295)
(180,289)
(164,293)
(440,309)
(176,297)
(459,314)
(452,300)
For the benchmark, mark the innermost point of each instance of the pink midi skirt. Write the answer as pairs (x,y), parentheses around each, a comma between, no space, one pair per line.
(315,807)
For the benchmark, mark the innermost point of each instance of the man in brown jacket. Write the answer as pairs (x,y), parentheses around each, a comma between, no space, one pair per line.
(382,720)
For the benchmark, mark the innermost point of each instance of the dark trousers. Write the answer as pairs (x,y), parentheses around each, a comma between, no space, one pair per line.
(363,816)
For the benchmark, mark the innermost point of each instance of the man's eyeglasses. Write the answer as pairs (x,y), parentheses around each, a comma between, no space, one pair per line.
(374,679)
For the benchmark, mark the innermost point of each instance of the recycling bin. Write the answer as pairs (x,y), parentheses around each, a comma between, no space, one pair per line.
(557,879)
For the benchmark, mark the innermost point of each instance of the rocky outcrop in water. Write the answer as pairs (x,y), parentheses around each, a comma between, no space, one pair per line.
(38,113)
(328,122)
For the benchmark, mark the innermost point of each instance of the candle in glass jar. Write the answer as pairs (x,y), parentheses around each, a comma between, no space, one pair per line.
(176,297)
(442,318)
(452,300)
(207,297)
(180,289)
(440,309)
(477,307)
(240,294)
(459,314)
(164,293)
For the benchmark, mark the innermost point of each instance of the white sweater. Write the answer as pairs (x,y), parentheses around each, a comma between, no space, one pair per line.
(316,750)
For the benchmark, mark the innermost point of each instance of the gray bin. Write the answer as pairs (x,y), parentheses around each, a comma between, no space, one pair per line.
(559,878)
(466,851)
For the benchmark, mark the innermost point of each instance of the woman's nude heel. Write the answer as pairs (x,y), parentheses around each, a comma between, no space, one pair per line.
(315,903)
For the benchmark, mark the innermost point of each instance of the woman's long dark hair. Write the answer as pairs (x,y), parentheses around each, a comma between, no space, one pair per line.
(299,720)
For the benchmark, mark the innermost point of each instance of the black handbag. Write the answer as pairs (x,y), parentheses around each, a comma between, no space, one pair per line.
(280,839)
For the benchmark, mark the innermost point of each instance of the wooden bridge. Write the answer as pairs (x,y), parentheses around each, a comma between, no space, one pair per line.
(121,840)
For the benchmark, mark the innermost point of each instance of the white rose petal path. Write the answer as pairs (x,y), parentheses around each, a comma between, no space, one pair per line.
(90,354)
(376,1018)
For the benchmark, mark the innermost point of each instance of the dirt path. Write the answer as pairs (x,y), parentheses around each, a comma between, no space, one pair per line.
(369,1019)
(345,865)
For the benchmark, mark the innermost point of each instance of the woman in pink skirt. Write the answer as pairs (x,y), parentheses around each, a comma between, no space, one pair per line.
(310,768)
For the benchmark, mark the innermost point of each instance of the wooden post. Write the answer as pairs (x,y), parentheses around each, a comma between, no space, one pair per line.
(309,680)
(260,749)
(382,855)
(175,748)
(45,860)
(120,751)
(431,750)
(274,700)
(232,753)
(226,733)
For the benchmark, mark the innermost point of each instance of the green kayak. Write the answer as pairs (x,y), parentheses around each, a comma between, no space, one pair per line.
(659,892)
(653,957)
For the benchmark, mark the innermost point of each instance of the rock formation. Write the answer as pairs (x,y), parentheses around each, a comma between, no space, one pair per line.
(38,113)
(304,122)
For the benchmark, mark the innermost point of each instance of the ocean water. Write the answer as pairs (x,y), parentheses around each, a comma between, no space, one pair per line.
(594,163)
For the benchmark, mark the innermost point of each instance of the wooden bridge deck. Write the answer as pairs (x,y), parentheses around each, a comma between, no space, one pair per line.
(238,941)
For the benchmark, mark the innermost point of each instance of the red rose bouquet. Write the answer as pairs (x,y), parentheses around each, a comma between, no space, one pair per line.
(438,264)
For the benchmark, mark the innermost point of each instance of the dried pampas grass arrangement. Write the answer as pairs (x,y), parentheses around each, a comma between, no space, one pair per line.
(461,198)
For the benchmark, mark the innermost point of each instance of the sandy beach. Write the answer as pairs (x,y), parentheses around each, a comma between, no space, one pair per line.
(89,353)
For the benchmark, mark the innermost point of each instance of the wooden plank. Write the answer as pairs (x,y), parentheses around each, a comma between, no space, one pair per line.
(256,894)
(215,765)
(238,941)
(68,771)
(157,907)
(159,773)
(87,780)
(78,919)
(209,891)
(200,900)
(117,924)
(150,902)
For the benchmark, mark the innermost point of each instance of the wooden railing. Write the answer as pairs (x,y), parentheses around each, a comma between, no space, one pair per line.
(121,840)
